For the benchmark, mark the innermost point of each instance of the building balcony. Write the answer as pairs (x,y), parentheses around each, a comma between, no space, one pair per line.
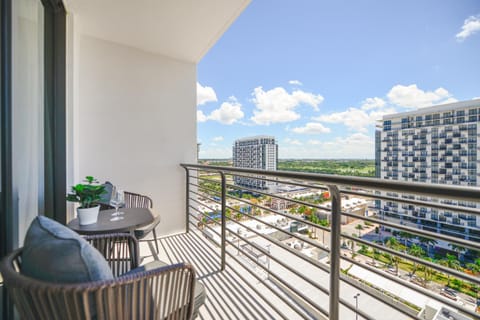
(256,265)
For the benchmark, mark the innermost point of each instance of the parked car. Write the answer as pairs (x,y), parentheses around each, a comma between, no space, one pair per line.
(450,291)
(451,294)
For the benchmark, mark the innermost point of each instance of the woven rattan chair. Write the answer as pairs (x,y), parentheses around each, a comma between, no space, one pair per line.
(165,293)
(135,200)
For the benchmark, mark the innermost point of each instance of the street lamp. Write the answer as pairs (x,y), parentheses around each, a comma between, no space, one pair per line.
(356,305)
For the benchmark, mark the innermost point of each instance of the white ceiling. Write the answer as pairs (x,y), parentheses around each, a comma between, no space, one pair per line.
(181,29)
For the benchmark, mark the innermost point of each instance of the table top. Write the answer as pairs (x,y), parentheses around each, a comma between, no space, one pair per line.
(133,218)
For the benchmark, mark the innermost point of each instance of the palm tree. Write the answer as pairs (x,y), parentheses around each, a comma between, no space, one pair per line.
(392,243)
(458,249)
(406,236)
(427,271)
(450,261)
(428,242)
(418,252)
(396,261)
(359,227)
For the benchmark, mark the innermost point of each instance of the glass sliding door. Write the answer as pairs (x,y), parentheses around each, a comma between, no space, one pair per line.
(32,120)
(27,112)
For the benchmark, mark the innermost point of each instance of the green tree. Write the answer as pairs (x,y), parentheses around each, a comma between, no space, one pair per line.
(450,261)
(427,271)
(406,236)
(359,227)
(459,250)
(418,252)
(392,243)
(473,267)
(427,242)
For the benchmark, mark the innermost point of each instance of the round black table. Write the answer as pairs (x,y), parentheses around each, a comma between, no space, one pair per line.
(133,218)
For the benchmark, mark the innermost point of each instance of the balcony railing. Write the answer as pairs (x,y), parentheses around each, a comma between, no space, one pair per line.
(318,279)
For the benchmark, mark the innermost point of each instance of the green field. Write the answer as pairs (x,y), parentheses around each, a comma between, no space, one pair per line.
(361,168)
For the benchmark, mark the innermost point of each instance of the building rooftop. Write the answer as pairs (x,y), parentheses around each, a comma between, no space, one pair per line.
(438,108)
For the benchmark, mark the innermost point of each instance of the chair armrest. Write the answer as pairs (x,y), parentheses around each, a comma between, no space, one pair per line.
(166,292)
(119,249)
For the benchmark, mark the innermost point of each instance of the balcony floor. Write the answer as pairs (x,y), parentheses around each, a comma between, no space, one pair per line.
(229,292)
(236,293)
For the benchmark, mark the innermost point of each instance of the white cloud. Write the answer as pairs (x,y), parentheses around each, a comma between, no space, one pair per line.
(292,142)
(471,25)
(312,128)
(228,113)
(201,117)
(355,146)
(373,103)
(353,118)
(277,105)
(413,97)
(205,94)
(295,83)
(218,139)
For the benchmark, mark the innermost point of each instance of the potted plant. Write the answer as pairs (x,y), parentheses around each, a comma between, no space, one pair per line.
(87,194)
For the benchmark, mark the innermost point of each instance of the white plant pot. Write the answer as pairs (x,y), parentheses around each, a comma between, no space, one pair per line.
(88,215)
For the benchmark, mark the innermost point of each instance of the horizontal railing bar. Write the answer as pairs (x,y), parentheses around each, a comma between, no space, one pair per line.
(405,283)
(233,245)
(463,242)
(399,187)
(372,244)
(286,182)
(412,258)
(290,216)
(285,283)
(310,242)
(437,190)
(383,222)
(283,198)
(316,264)
(274,241)
(346,279)
(421,232)
(294,307)
(420,203)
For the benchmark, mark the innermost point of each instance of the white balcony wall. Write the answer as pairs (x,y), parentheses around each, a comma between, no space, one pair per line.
(133,121)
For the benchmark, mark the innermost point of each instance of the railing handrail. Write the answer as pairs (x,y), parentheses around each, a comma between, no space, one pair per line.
(338,185)
(466,193)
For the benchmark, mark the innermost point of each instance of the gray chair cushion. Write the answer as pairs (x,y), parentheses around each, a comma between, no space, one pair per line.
(54,253)
(199,294)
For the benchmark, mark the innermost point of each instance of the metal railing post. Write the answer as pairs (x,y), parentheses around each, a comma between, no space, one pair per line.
(187,200)
(336,220)
(224,220)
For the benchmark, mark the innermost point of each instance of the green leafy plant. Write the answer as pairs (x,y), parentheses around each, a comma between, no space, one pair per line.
(86,194)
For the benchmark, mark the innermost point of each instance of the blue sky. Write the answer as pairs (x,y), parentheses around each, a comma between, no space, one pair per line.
(317,74)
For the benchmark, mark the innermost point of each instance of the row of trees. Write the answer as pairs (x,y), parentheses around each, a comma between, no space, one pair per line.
(450,261)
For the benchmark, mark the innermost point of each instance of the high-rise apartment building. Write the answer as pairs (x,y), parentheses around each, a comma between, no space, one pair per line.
(260,152)
(437,144)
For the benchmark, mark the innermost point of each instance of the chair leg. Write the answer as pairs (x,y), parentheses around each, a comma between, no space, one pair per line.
(156,242)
